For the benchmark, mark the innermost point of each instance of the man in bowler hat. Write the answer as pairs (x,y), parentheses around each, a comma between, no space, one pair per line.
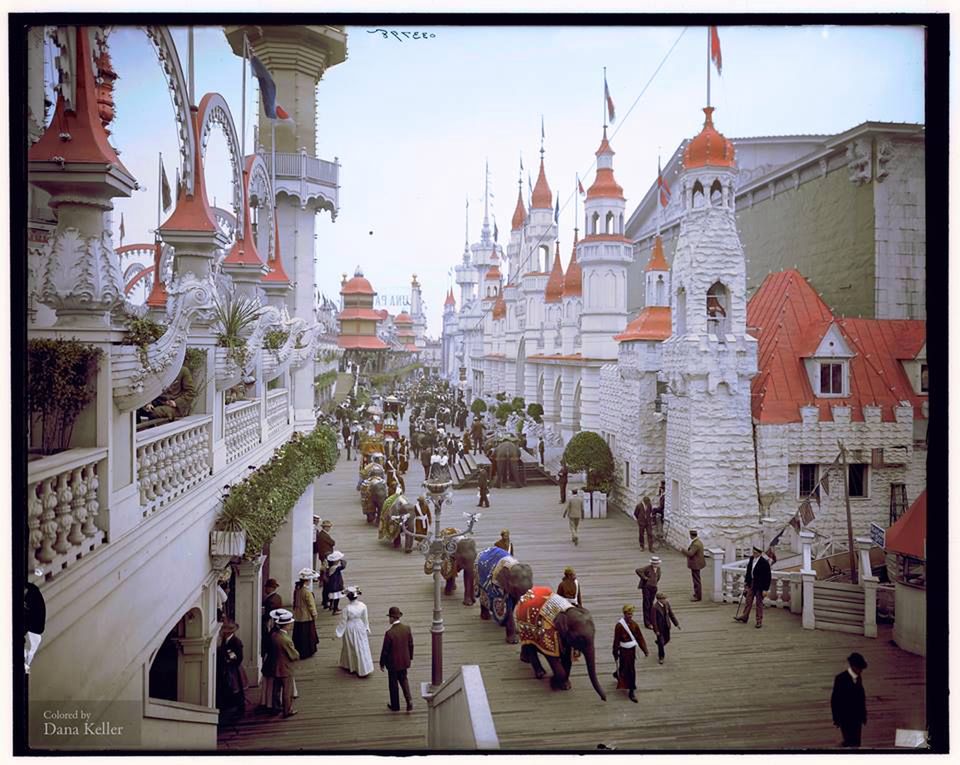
(848,702)
(396,655)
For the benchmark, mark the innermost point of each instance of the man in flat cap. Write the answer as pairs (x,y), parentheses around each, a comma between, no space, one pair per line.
(626,638)
(756,583)
(396,655)
(695,562)
(848,701)
(649,582)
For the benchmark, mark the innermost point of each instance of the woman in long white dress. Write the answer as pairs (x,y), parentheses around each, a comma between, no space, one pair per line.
(353,629)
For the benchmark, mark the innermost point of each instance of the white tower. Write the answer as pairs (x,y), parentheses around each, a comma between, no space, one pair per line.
(709,359)
(604,254)
(416,313)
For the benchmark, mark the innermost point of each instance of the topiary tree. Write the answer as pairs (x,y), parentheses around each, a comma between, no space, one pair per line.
(501,396)
(504,410)
(518,404)
(478,407)
(588,451)
(535,410)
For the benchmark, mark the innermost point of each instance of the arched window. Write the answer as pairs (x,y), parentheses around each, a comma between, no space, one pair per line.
(698,196)
(716,194)
(718,309)
(661,290)
(608,227)
(681,311)
(595,228)
(544,257)
(620,230)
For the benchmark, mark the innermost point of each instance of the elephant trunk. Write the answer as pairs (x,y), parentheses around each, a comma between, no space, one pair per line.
(589,658)
(469,579)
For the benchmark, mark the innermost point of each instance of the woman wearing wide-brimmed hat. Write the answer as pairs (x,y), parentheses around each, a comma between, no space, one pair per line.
(305,614)
(353,629)
(333,587)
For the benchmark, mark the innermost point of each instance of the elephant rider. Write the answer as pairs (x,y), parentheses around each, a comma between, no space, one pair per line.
(570,587)
(649,582)
(176,400)
(626,637)
(504,542)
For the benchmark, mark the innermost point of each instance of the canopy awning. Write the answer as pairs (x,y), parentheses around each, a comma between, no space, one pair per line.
(908,536)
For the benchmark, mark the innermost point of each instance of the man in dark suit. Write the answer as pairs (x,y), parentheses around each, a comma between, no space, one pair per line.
(396,655)
(323,545)
(483,485)
(271,601)
(563,476)
(756,583)
(848,702)
(284,653)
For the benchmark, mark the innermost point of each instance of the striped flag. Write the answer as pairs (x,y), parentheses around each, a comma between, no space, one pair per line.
(610,109)
(663,186)
(715,49)
(268,92)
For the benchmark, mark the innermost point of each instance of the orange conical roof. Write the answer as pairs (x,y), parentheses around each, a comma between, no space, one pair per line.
(542,196)
(605,185)
(449,300)
(500,307)
(493,273)
(652,323)
(572,282)
(520,214)
(244,251)
(358,285)
(710,147)
(554,289)
(657,261)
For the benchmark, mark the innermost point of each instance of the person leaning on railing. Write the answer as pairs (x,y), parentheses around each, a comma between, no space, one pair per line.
(176,400)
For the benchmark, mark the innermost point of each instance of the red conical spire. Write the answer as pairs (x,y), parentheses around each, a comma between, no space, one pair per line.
(709,147)
(542,196)
(572,282)
(520,213)
(554,289)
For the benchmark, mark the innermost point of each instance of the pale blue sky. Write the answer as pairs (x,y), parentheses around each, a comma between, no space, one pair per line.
(413,122)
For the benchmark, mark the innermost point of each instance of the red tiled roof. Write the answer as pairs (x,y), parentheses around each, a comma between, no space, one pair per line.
(519,214)
(908,536)
(789,319)
(542,196)
(276,272)
(361,342)
(357,286)
(360,313)
(553,292)
(657,261)
(403,318)
(606,238)
(244,251)
(493,273)
(652,323)
(450,300)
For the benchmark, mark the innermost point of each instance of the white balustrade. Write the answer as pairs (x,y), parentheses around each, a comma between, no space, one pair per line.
(241,428)
(780,594)
(63,501)
(277,409)
(172,459)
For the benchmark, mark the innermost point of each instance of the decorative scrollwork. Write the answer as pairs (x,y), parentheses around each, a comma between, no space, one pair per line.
(260,190)
(215,111)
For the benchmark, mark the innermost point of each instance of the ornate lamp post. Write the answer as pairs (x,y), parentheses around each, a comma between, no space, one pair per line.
(438,486)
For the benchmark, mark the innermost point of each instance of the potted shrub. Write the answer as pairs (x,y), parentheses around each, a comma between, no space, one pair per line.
(588,451)
(535,410)
(234,317)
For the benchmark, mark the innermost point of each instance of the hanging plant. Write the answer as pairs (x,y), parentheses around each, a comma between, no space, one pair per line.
(274,339)
(60,384)
(261,502)
(141,333)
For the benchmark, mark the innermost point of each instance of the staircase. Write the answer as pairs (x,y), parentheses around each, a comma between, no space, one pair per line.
(838,606)
(465,471)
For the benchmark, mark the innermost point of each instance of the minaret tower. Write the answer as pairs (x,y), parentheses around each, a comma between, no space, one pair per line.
(416,313)
(709,359)
(604,254)
(449,366)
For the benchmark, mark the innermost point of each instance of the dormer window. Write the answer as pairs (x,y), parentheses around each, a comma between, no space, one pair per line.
(923,378)
(831,378)
(829,366)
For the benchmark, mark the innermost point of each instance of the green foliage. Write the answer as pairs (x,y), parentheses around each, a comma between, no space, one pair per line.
(234,316)
(501,396)
(142,332)
(588,451)
(535,410)
(385,378)
(60,384)
(195,360)
(503,411)
(518,404)
(274,339)
(321,382)
(261,502)
(478,407)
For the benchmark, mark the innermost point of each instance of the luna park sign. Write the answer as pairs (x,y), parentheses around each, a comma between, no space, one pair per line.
(391,301)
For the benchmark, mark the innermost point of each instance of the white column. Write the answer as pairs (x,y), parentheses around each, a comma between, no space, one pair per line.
(808,576)
(248,599)
(869,583)
(292,548)
(717,556)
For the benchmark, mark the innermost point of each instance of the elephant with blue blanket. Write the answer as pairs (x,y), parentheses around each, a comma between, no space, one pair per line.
(501,581)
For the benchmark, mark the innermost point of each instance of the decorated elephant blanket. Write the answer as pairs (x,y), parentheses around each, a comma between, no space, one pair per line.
(535,615)
(492,596)
(447,565)
(389,526)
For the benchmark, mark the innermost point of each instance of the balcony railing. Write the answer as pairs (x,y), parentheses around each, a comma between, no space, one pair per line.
(277,409)
(172,459)
(241,428)
(302,165)
(64,498)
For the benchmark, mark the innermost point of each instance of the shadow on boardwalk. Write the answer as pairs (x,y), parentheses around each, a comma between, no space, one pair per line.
(723,686)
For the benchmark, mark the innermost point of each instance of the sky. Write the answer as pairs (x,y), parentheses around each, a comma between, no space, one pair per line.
(413,122)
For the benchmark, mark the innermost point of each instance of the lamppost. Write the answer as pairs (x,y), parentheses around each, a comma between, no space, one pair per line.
(438,485)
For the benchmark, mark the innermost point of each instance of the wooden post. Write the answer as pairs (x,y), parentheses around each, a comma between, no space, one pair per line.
(846,496)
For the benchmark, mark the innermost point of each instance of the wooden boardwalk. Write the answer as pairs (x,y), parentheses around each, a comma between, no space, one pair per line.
(723,686)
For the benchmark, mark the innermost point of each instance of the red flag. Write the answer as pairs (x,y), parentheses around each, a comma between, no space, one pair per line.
(580,187)
(610,109)
(663,186)
(715,49)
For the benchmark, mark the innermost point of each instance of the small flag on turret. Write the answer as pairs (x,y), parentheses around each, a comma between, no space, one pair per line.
(268,92)
(715,49)
(610,109)
(663,186)
(580,187)
(556,212)
(496,231)
(165,199)
(122,230)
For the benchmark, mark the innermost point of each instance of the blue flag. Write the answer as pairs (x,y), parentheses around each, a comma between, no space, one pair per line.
(268,92)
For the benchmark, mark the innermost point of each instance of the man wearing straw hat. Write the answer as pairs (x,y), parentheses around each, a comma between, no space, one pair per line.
(649,581)
(626,637)
(284,653)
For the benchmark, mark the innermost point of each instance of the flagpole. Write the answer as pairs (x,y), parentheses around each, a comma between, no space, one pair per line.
(193,99)
(243,104)
(659,192)
(604,98)
(273,161)
(708,66)
(159,191)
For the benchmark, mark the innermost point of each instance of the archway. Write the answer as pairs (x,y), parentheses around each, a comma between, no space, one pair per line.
(558,399)
(717,309)
(576,408)
(177,667)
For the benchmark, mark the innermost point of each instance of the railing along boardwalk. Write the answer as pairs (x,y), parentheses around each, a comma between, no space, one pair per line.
(724,685)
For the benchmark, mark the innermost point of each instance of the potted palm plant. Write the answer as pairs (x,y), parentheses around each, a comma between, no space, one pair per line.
(228,539)
(235,316)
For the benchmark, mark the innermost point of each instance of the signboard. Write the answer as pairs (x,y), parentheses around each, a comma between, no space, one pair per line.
(878,534)
(392,301)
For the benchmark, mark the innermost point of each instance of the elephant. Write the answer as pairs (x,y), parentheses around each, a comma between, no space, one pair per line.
(507,456)
(373,493)
(401,519)
(371,470)
(414,525)
(501,581)
(553,626)
(463,558)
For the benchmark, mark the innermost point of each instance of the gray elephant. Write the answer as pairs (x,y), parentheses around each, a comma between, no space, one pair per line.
(414,525)
(551,625)
(501,581)
(509,466)
(373,493)
(463,558)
